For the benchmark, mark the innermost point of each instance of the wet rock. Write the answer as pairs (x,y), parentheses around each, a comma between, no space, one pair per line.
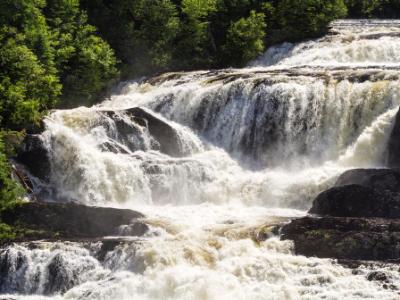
(59,279)
(345,238)
(135,229)
(360,219)
(166,138)
(377,276)
(357,201)
(394,144)
(34,155)
(384,179)
(69,220)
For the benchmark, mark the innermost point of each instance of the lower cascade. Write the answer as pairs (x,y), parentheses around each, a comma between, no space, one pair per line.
(215,160)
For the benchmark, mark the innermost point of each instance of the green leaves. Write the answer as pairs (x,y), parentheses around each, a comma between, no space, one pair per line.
(245,39)
(26,87)
(10,191)
(85,62)
(198,9)
(296,20)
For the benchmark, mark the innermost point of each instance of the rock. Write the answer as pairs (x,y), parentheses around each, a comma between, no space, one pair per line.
(72,221)
(377,276)
(345,238)
(357,201)
(384,179)
(394,144)
(59,279)
(360,219)
(166,137)
(34,155)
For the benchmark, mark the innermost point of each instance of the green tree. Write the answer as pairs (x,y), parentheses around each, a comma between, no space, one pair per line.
(295,20)
(195,47)
(10,191)
(85,62)
(25,17)
(373,8)
(245,39)
(142,32)
(26,87)
(362,8)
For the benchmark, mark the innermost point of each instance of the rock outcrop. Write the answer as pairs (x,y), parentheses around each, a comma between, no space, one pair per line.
(35,157)
(357,219)
(72,221)
(382,179)
(357,201)
(345,238)
(165,137)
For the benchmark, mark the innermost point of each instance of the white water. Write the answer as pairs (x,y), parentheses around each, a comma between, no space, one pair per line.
(258,145)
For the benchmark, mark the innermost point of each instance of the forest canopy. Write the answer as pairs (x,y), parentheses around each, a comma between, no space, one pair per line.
(66,53)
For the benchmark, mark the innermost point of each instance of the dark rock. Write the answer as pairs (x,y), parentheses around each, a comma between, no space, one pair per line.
(134,229)
(377,276)
(384,179)
(357,201)
(106,247)
(345,238)
(394,144)
(69,220)
(163,133)
(59,278)
(166,137)
(34,155)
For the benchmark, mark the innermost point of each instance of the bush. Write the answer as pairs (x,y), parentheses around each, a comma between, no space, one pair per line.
(10,190)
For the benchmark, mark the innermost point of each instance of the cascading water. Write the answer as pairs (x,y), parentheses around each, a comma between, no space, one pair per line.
(238,149)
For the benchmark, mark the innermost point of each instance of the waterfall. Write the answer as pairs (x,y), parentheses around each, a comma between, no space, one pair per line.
(209,157)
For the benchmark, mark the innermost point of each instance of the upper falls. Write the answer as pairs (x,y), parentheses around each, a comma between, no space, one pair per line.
(272,134)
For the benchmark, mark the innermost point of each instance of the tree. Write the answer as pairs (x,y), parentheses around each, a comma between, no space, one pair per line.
(10,191)
(26,86)
(245,39)
(142,32)
(295,20)
(195,47)
(85,62)
(362,8)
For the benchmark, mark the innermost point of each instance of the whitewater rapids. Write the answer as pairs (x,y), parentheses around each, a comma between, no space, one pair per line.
(259,144)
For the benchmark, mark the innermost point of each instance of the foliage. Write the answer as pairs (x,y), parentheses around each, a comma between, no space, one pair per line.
(194,48)
(85,62)
(6,233)
(142,32)
(245,39)
(297,20)
(373,8)
(10,191)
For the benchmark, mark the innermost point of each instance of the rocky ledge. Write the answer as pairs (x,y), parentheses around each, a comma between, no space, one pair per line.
(70,221)
(357,219)
(345,238)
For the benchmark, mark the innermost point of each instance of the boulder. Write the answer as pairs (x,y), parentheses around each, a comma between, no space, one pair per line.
(165,138)
(345,238)
(34,155)
(377,276)
(72,221)
(357,201)
(393,160)
(383,179)
(360,219)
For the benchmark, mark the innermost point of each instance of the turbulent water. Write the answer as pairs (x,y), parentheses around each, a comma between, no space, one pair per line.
(254,147)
